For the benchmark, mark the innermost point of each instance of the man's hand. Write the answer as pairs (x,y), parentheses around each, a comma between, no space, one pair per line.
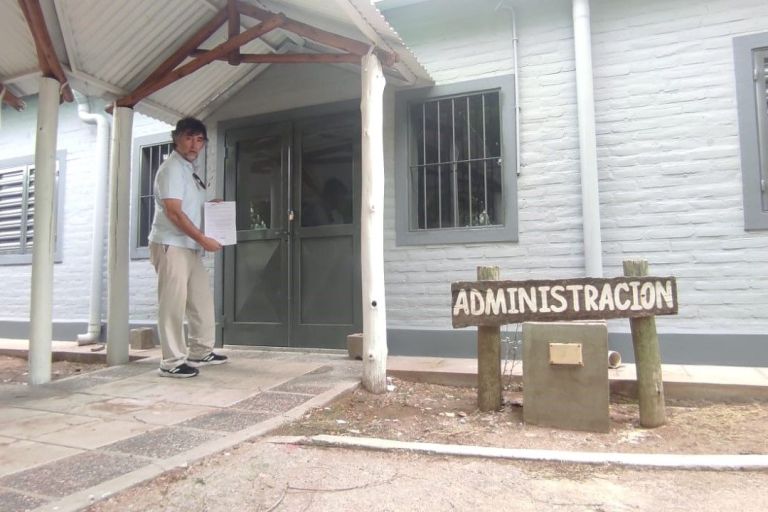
(209,244)
(176,215)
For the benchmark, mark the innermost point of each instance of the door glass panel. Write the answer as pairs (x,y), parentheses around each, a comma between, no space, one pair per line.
(258,183)
(326,176)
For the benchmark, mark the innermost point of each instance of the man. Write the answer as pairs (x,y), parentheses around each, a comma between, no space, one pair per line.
(176,246)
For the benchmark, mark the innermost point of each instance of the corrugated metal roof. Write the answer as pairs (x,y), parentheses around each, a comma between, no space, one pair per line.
(18,56)
(112,46)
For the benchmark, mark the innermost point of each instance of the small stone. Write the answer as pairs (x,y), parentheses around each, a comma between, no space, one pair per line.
(341,422)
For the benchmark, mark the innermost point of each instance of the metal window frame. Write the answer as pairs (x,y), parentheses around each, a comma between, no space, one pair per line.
(753,128)
(508,230)
(28,162)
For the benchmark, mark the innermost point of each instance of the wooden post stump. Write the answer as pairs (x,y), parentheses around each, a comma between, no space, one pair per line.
(488,355)
(645,342)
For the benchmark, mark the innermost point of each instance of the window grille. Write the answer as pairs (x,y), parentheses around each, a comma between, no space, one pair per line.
(761,97)
(456,162)
(151,157)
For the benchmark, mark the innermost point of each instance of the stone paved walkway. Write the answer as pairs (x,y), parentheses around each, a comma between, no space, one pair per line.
(70,441)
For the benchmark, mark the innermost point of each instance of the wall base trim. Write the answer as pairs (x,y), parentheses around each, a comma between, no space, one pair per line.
(724,349)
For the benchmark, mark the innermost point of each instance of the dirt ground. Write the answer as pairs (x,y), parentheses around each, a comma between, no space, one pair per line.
(442,414)
(14,370)
(262,475)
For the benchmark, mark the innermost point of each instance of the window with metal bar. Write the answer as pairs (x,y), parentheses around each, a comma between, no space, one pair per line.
(151,158)
(761,102)
(452,168)
(148,153)
(456,163)
(17,209)
(751,68)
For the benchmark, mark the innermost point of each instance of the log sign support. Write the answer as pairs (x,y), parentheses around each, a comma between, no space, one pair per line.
(489,303)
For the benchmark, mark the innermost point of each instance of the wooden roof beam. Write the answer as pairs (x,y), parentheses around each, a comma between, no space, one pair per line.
(233,17)
(11,99)
(220,51)
(294,58)
(46,56)
(318,35)
(186,49)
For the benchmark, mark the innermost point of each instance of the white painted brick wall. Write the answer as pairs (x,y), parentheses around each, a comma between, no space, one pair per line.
(668,154)
(71,276)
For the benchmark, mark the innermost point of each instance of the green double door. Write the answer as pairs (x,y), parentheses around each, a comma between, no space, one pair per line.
(293,279)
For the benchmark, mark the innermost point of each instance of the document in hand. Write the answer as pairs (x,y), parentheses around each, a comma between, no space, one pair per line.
(219,221)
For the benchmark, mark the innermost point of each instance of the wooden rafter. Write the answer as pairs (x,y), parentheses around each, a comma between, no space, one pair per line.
(229,51)
(293,58)
(11,99)
(186,49)
(46,56)
(318,35)
(220,51)
(233,18)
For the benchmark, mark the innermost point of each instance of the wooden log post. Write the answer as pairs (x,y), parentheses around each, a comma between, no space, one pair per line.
(488,355)
(645,342)
(372,227)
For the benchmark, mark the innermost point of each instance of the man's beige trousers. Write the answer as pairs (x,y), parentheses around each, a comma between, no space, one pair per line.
(182,287)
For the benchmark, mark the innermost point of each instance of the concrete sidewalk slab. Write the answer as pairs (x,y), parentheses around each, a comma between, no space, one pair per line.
(685,382)
(83,436)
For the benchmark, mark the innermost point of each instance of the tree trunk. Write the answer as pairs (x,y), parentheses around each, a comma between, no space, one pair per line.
(41,301)
(488,355)
(372,227)
(645,342)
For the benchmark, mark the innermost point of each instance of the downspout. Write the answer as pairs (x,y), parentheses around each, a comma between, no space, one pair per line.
(99,217)
(585,101)
(504,4)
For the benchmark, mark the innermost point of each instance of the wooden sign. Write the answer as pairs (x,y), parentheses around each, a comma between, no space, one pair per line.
(511,302)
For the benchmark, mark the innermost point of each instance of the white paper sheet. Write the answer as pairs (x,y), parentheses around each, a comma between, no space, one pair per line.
(219,220)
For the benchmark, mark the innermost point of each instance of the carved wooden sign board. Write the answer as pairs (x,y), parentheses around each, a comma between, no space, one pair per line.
(511,302)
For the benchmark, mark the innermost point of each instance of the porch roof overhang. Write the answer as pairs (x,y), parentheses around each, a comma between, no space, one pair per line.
(109,49)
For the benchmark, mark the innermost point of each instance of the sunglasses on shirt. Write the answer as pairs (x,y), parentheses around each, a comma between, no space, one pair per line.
(198,181)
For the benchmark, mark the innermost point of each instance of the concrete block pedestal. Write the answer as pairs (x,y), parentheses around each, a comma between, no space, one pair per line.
(565,375)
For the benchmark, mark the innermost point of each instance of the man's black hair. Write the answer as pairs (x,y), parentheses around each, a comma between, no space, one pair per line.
(190,126)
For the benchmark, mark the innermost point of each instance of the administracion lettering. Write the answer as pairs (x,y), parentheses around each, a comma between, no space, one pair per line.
(506,302)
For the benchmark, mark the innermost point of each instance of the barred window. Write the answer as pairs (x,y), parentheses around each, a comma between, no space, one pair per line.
(149,153)
(751,69)
(456,162)
(151,158)
(455,178)
(761,102)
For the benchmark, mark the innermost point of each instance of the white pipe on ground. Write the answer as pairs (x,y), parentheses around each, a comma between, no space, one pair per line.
(99,214)
(117,254)
(41,304)
(590,198)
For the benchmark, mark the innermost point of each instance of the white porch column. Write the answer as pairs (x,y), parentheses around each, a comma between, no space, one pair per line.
(41,304)
(372,227)
(119,235)
(590,197)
